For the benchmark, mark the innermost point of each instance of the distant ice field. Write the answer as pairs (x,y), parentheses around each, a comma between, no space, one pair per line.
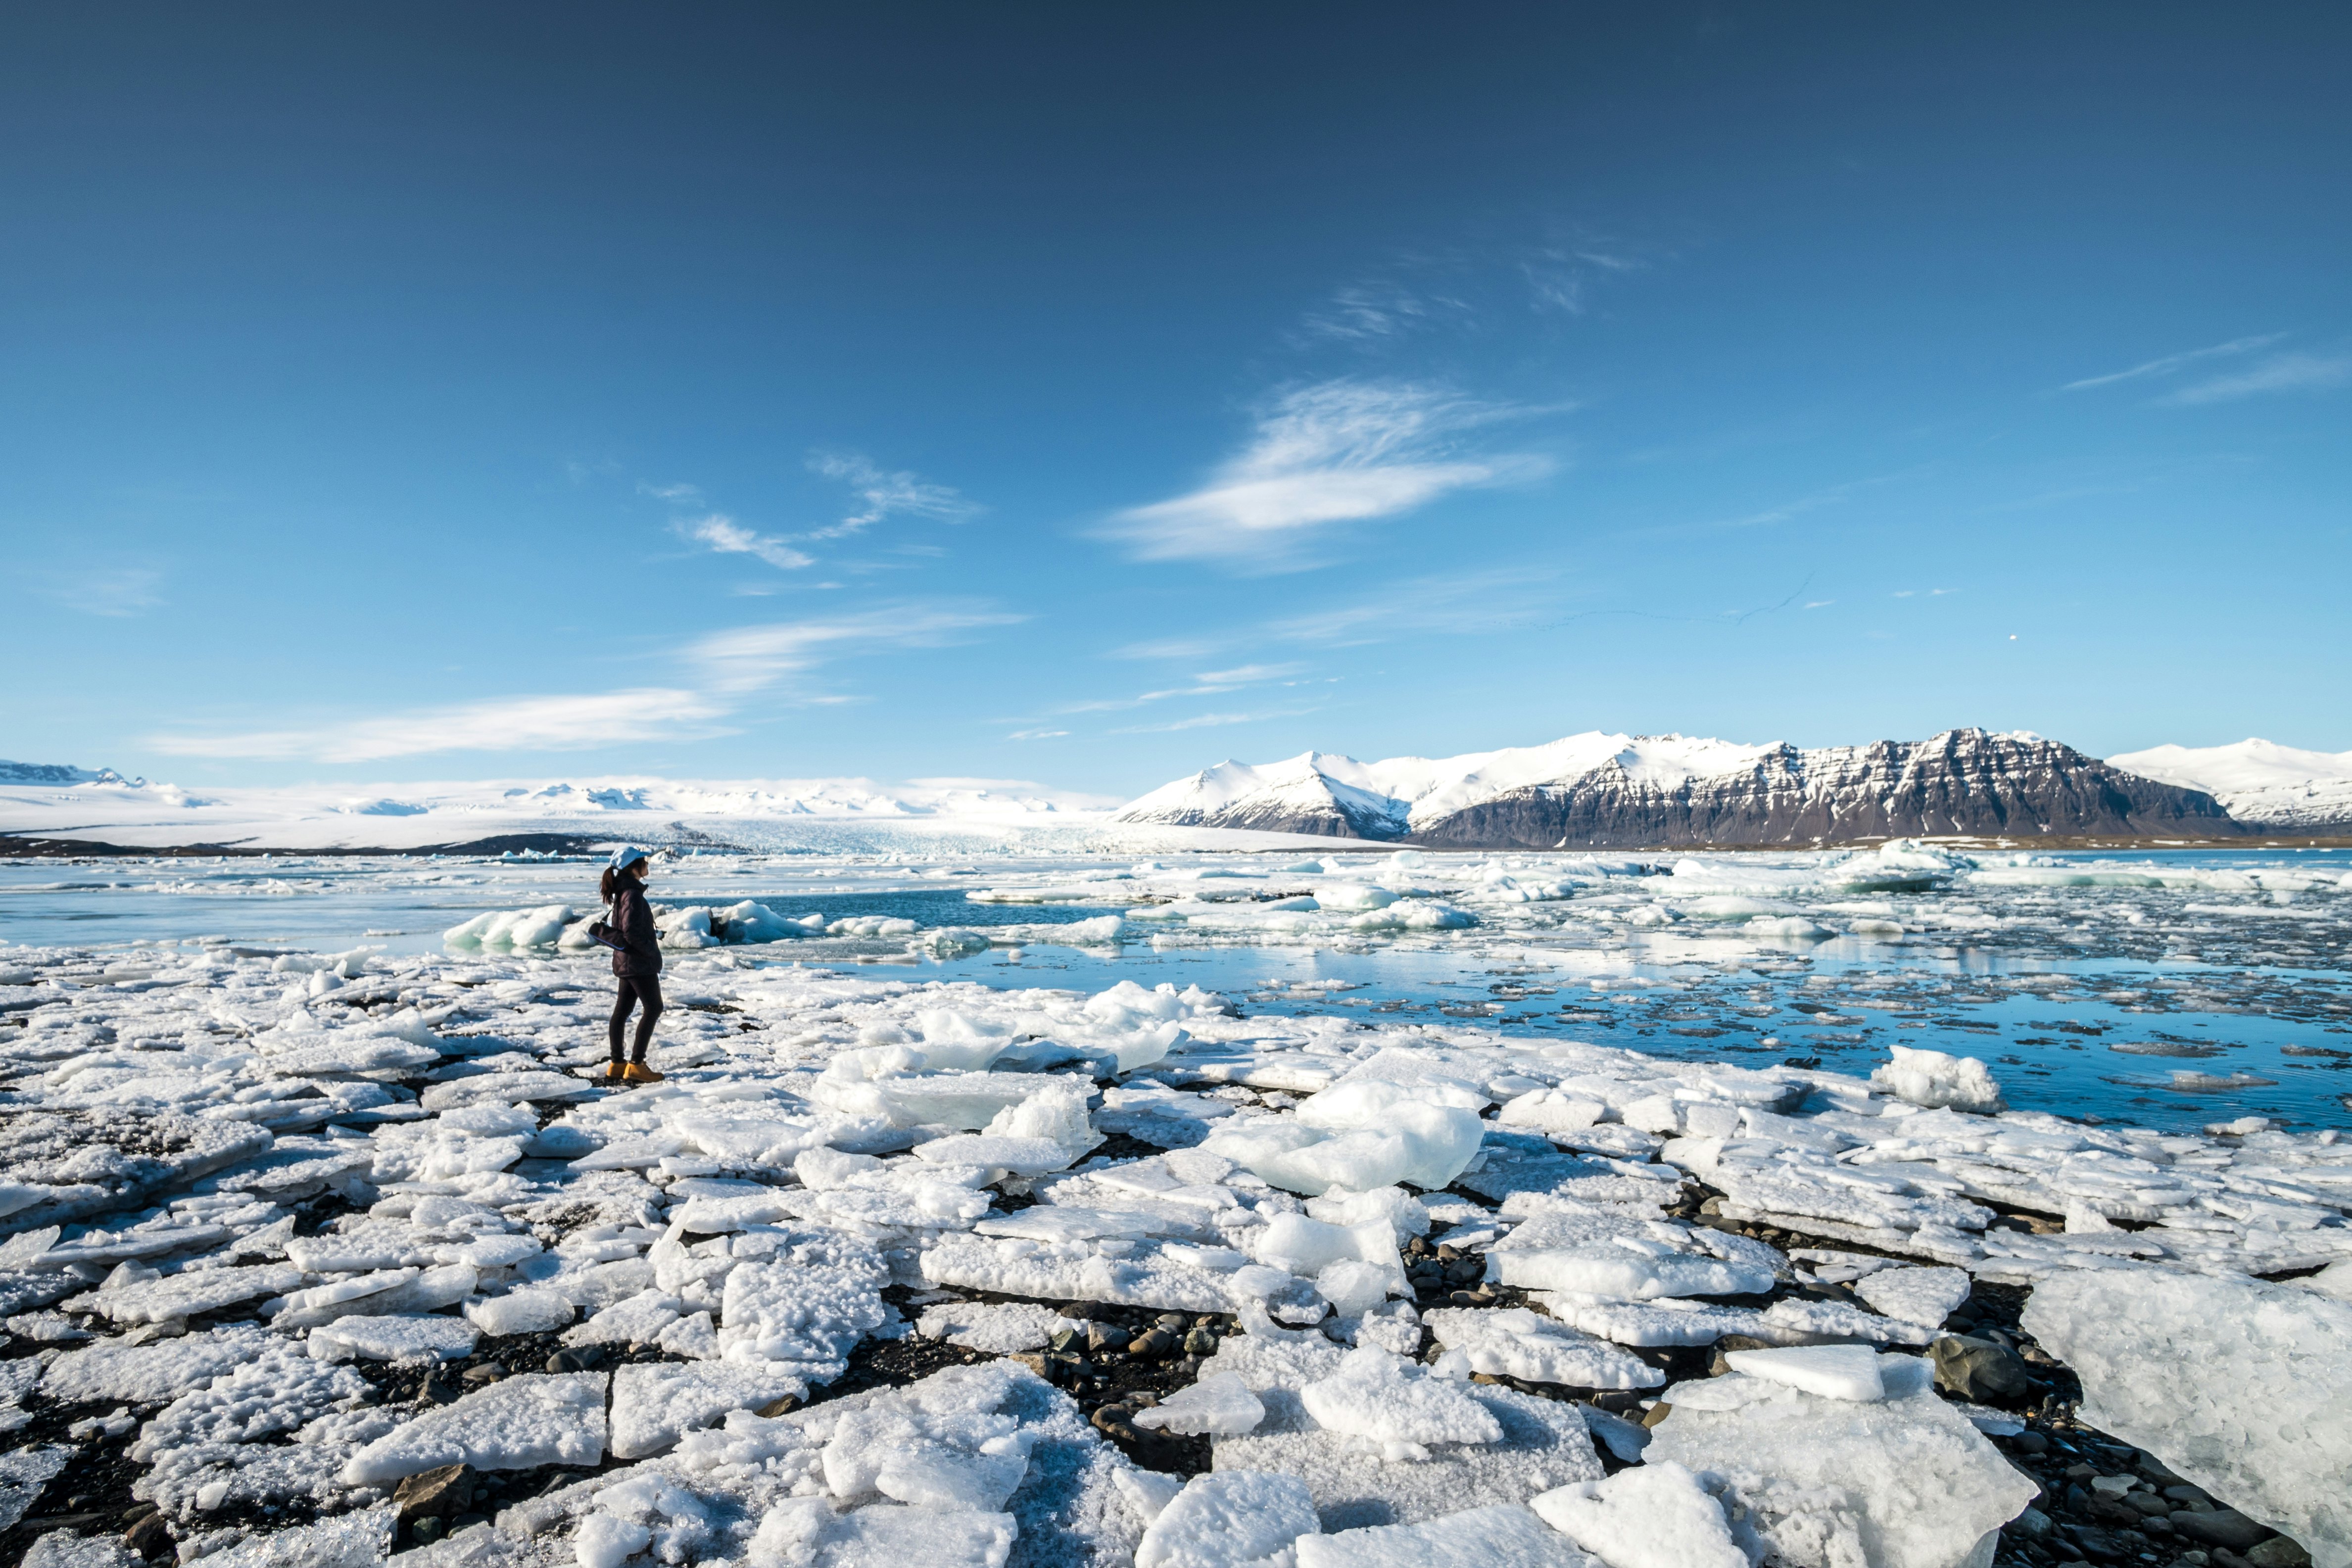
(2167,989)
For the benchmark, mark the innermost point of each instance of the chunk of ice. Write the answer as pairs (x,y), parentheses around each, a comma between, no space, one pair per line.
(1828,1459)
(1222,1404)
(379,1338)
(1832,1371)
(354,1540)
(1922,1296)
(1938,1081)
(1512,1341)
(1000,1330)
(2241,1387)
(517,1424)
(657,1403)
(1228,1519)
(1652,1516)
(1502,1536)
(520,1312)
(1379,1395)
(802,1533)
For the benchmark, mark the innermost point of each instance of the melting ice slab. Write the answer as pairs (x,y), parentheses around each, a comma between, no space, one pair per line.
(1504,1536)
(1818,1477)
(1658,1516)
(2243,1387)
(518,1423)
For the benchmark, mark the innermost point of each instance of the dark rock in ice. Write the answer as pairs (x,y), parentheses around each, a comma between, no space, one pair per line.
(434,1494)
(1980,1369)
(2222,1527)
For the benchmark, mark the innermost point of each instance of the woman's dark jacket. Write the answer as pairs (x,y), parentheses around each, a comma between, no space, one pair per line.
(632,926)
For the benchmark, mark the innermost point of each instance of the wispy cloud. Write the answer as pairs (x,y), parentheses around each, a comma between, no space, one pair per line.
(1037,735)
(112,592)
(727,537)
(1336,452)
(565,722)
(2280,373)
(1209,684)
(1378,311)
(2170,363)
(1828,495)
(1468,604)
(752,658)
(877,494)
(728,668)
(1560,277)
(882,494)
(1462,604)
(1213,720)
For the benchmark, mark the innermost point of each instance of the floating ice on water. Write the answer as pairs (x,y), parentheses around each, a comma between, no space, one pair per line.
(511,928)
(1652,1516)
(1938,1081)
(2243,1387)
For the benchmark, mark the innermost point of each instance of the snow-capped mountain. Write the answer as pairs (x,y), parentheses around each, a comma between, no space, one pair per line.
(62,773)
(47,802)
(2265,785)
(1628,790)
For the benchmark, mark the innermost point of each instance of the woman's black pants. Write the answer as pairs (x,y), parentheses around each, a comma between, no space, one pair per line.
(635,989)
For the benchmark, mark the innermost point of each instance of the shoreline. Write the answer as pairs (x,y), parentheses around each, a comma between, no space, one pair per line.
(19,846)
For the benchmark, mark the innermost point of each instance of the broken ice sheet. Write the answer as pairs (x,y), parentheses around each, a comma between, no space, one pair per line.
(1000,1329)
(1652,1516)
(1824,1458)
(22,1474)
(1515,1343)
(517,1423)
(2241,1387)
(1541,1443)
(1222,1404)
(1228,1519)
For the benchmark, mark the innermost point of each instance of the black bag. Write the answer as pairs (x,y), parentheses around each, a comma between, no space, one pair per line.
(602,935)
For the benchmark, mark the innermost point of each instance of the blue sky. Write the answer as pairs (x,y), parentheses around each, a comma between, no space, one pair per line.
(1084,394)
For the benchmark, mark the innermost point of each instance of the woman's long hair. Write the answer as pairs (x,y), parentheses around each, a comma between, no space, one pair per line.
(616,880)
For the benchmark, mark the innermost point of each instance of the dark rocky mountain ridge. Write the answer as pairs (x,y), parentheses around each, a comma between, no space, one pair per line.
(1964,782)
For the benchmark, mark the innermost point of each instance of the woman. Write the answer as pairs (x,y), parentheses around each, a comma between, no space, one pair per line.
(636,959)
